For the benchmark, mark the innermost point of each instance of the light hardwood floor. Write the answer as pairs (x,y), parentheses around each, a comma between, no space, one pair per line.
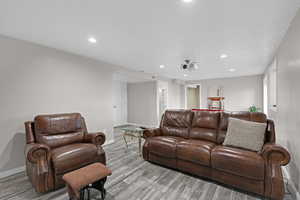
(132,179)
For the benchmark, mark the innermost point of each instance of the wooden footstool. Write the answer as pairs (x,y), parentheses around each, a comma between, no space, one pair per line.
(81,180)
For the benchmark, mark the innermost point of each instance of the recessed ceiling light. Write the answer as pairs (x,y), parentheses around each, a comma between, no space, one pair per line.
(185,75)
(224,56)
(187,1)
(161,66)
(92,40)
(232,70)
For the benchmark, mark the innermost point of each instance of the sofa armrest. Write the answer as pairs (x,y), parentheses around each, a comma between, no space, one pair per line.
(95,138)
(275,154)
(152,132)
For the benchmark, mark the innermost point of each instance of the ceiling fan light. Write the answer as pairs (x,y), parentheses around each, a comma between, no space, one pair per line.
(195,66)
(189,65)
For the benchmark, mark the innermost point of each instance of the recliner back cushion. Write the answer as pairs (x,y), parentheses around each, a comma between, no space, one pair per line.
(249,116)
(177,123)
(59,130)
(205,125)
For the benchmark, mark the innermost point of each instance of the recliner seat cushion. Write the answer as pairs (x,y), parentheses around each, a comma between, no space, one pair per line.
(163,145)
(239,162)
(73,156)
(59,140)
(197,151)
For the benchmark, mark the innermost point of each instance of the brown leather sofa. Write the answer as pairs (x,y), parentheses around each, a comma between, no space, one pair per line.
(191,141)
(57,144)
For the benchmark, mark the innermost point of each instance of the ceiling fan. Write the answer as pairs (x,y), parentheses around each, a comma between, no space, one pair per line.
(189,65)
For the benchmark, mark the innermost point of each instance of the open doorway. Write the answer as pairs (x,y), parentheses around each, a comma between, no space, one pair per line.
(193,96)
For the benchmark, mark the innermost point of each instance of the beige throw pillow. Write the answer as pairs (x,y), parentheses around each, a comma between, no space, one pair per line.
(245,134)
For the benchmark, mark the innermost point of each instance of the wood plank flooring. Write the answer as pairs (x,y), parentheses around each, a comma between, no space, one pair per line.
(132,179)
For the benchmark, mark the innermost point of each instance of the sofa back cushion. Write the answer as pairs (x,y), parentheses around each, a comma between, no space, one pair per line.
(177,123)
(248,116)
(205,125)
(59,129)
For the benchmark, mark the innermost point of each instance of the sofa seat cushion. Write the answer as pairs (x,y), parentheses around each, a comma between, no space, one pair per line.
(73,156)
(197,151)
(164,145)
(239,162)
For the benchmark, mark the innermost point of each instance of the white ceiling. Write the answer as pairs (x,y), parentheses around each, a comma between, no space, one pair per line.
(143,34)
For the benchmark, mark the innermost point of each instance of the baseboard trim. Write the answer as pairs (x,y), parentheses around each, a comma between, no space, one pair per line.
(121,125)
(291,186)
(143,125)
(13,171)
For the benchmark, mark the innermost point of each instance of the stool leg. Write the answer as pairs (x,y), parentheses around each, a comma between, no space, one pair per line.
(81,194)
(88,190)
(99,185)
(103,192)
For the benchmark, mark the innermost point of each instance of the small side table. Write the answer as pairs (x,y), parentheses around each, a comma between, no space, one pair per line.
(134,132)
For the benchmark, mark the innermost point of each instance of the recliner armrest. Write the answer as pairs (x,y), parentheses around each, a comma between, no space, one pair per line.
(152,133)
(275,154)
(39,155)
(95,138)
(34,152)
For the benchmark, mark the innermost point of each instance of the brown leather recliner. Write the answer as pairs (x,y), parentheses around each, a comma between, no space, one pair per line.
(57,144)
(191,141)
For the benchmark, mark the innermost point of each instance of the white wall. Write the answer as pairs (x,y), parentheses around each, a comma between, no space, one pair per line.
(142,103)
(288,96)
(120,102)
(143,100)
(239,92)
(39,80)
